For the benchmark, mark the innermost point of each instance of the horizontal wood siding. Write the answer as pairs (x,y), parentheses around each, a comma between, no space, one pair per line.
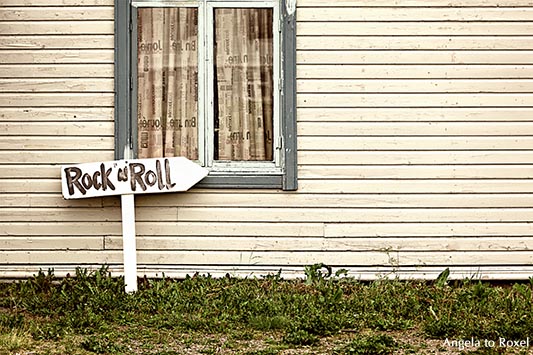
(425,101)
(57,106)
(415,148)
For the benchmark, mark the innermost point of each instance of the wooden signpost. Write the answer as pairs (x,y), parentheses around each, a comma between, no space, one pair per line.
(127,178)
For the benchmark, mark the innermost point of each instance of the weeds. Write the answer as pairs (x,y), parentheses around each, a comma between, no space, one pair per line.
(300,337)
(268,351)
(93,307)
(101,344)
(14,340)
(381,344)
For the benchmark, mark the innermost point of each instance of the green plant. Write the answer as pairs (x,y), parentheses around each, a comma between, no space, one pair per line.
(47,331)
(442,279)
(380,344)
(300,337)
(92,308)
(317,273)
(11,320)
(320,272)
(14,340)
(101,344)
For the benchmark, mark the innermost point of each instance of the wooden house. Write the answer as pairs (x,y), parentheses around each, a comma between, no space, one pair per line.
(401,142)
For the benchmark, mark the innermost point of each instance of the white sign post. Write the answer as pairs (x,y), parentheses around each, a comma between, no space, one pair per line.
(127,178)
(129,247)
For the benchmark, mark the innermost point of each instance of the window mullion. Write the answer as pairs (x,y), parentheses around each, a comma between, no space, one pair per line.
(203,111)
(133,82)
(278,146)
(209,90)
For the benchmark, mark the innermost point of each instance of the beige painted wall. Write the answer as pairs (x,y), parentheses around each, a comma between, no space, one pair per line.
(415,138)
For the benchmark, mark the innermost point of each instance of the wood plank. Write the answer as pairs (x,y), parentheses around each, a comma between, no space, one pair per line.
(70,85)
(414,143)
(94,128)
(56,157)
(59,257)
(259,199)
(32,42)
(51,56)
(15,171)
(147,227)
(78,214)
(412,43)
(417,172)
(423,57)
(45,200)
(274,258)
(436,230)
(222,243)
(335,244)
(69,114)
(57,71)
(304,215)
(40,3)
(51,243)
(415,129)
(272,244)
(56,27)
(230,214)
(486,273)
(30,185)
(414,158)
(56,143)
(419,272)
(426,114)
(413,100)
(415,186)
(56,99)
(54,13)
(295,200)
(26,229)
(323,244)
(421,14)
(99,228)
(406,3)
(327,28)
(415,86)
(422,71)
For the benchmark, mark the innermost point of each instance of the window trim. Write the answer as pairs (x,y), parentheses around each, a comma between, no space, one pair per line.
(125,99)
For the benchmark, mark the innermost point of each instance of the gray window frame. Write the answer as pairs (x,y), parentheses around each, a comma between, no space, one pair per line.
(125,127)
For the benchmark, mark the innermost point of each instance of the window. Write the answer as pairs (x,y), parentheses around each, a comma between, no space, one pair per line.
(210,80)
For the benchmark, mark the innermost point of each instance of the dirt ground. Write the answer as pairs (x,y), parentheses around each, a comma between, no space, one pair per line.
(409,342)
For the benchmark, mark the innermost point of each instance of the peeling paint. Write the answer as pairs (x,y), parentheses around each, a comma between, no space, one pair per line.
(290,6)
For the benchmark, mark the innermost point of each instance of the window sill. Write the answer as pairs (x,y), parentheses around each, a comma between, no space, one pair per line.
(241,181)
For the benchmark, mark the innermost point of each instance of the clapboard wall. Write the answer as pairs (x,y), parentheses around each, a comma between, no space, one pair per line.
(415,148)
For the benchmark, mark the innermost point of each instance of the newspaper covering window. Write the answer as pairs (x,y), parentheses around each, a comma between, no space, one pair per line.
(167,82)
(243,66)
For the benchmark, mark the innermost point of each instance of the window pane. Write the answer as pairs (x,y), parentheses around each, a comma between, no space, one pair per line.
(243,84)
(167,82)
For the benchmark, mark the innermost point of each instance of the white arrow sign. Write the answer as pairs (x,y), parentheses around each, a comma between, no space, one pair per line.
(135,176)
(126,178)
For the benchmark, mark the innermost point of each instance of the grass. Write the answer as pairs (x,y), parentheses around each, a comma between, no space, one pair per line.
(325,313)
(380,344)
